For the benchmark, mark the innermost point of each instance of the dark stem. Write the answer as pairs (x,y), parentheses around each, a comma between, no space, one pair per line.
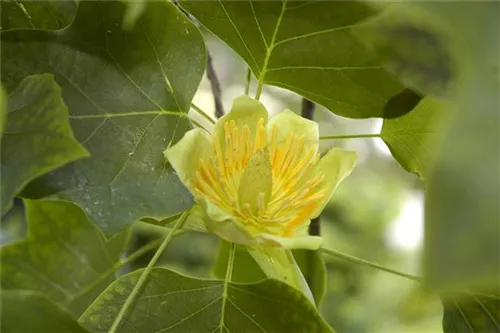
(211,74)
(314,227)
(215,84)
(308,108)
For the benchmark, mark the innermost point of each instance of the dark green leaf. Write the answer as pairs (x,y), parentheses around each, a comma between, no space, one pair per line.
(245,269)
(401,104)
(313,267)
(128,93)
(414,51)
(174,303)
(37,137)
(64,257)
(471,314)
(47,15)
(25,312)
(306,47)
(462,229)
(413,138)
(3,111)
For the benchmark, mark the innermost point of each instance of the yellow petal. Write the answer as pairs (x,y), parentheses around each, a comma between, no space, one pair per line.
(185,156)
(287,123)
(245,111)
(336,165)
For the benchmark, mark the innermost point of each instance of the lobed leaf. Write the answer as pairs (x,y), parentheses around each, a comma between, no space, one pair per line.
(47,15)
(305,46)
(246,270)
(471,313)
(414,137)
(128,93)
(64,257)
(37,137)
(174,303)
(26,311)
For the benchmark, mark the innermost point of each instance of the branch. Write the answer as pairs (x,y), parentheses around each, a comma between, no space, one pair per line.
(308,108)
(215,84)
(211,74)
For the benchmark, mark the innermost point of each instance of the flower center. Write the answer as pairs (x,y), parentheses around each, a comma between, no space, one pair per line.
(294,194)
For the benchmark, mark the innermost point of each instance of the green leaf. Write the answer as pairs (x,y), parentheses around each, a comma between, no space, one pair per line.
(307,47)
(64,257)
(133,12)
(413,138)
(245,269)
(47,15)
(174,303)
(413,45)
(474,314)
(37,137)
(278,263)
(128,93)
(25,311)
(313,268)
(461,217)
(3,111)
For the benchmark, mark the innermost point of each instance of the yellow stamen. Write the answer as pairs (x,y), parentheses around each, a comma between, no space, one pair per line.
(294,194)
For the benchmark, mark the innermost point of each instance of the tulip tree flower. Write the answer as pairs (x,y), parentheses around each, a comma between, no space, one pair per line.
(260,182)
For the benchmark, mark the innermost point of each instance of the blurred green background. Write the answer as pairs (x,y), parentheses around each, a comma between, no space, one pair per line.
(376,214)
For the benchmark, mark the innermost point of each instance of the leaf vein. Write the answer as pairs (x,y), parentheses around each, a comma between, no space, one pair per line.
(247,316)
(315,33)
(206,306)
(239,34)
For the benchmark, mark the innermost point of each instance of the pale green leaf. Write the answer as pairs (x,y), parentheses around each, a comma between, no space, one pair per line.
(128,93)
(37,137)
(313,268)
(65,257)
(171,302)
(471,314)
(278,263)
(26,311)
(414,138)
(245,269)
(304,46)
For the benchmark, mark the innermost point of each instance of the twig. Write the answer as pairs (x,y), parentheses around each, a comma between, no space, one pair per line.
(211,74)
(360,261)
(215,84)
(248,80)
